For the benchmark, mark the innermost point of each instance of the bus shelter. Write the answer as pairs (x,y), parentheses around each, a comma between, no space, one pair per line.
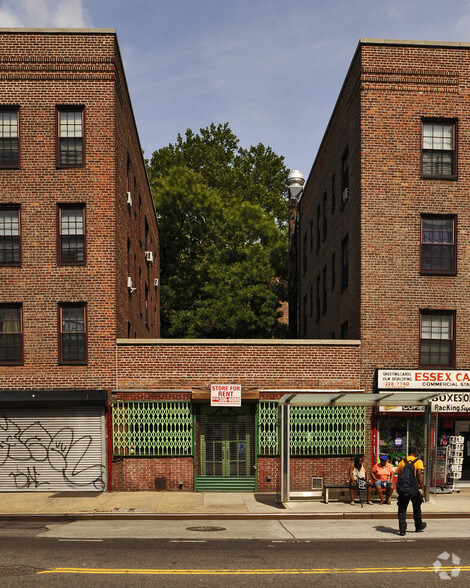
(349,398)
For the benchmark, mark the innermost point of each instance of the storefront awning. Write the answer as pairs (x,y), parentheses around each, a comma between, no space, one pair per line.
(356,398)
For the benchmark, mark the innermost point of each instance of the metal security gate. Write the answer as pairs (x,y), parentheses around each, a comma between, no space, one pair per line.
(225,447)
(52,449)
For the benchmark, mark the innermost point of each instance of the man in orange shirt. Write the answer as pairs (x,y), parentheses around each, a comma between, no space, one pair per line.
(410,488)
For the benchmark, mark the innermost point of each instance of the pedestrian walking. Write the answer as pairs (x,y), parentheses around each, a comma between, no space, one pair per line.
(410,486)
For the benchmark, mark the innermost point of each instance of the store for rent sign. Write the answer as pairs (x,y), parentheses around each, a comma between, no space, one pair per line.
(452,387)
(226,395)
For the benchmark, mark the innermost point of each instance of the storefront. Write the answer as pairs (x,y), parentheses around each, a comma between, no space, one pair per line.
(52,441)
(399,427)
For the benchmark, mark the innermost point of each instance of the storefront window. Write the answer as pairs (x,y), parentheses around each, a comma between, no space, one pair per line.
(396,436)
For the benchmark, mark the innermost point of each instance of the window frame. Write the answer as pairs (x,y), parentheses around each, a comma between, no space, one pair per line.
(59,110)
(15,164)
(439,217)
(72,305)
(60,208)
(437,313)
(440,122)
(19,360)
(14,263)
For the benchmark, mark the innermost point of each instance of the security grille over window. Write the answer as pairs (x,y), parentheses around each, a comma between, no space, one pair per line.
(327,430)
(268,424)
(152,428)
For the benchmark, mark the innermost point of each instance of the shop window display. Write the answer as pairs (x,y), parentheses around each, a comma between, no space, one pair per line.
(397,435)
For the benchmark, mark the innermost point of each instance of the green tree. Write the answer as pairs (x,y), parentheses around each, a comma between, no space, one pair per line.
(222,214)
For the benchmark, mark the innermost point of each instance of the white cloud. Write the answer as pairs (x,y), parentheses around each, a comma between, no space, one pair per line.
(43,13)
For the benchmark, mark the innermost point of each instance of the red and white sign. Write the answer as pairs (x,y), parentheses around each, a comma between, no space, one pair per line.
(423,379)
(452,388)
(226,395)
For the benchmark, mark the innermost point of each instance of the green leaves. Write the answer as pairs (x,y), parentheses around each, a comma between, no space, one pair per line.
(223,215)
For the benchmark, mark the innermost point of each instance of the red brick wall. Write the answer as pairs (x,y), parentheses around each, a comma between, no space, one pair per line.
(38,72)
(157,370)
(138,474)
(167,364)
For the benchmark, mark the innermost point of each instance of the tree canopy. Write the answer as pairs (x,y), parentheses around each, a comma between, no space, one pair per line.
(223,215)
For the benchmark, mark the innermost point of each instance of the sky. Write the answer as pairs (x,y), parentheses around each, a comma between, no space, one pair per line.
(272,69)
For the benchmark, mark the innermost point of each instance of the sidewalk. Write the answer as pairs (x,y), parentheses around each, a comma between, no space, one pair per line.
(173,505)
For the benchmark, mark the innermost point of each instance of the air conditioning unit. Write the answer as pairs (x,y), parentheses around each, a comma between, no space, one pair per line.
(129,282)
(149,256)
(156,282)
(345,194)
(129,199)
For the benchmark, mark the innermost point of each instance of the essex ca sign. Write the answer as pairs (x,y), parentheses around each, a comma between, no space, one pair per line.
(452,387)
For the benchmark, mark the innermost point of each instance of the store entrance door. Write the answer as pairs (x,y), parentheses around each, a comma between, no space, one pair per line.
(463,428)
(225,449)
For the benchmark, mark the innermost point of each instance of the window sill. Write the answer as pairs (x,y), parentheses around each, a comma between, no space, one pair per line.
(436,273)
(446,178)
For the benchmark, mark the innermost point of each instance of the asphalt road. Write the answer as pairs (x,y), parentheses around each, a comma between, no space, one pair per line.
(38,554)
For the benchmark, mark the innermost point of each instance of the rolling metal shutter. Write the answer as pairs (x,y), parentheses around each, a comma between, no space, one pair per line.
(52,450)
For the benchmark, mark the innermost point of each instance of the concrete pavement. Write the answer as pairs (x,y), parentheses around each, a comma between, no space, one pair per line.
(207,505)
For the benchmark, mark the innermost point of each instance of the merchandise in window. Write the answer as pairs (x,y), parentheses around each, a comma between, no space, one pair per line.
(438,245)
(73,335)
(10,252)
(70,137)
(438,156)
(11,334)
(72,234)
(9,141)
(437,339)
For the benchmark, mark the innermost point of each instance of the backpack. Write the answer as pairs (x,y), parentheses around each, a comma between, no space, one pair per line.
(407,483)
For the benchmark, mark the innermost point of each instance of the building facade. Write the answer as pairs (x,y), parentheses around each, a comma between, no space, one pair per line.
(382,233)
(78,252)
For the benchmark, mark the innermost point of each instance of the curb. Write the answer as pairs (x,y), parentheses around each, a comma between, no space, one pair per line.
(69,517)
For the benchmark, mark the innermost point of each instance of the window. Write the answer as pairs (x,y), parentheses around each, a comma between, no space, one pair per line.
(344,174)
(437,341)
(72,234)
(333,271)
(438,244)
(325,301)
(345,263)
(9,142)
(333,193)
(70,139)
(318,228)
(73,336)
(305,253)
(318,298)
(10,251)
(438,156)
(11,334)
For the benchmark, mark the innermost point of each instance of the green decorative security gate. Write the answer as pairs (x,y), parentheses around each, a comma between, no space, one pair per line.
(225,448)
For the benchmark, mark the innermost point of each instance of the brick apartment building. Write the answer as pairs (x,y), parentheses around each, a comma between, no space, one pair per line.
(382,233)
(78,252)
(90,397)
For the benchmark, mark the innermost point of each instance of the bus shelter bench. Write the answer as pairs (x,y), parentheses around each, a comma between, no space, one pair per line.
(328,487)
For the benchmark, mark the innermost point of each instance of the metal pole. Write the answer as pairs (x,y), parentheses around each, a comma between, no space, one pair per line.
(285,452)
(427,449)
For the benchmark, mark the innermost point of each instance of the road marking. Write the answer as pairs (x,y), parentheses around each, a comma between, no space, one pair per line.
(82,540)
(187,541)
(255,571)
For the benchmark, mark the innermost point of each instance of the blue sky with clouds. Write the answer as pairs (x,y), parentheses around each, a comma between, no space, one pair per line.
(272,69)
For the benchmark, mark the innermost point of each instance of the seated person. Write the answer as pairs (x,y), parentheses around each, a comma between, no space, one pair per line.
(382,478)
(357,471)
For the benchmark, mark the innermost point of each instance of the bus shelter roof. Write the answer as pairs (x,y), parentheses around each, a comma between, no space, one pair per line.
(355,398)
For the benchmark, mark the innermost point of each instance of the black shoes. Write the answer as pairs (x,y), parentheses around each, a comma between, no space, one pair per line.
(421,527)
(402,532)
